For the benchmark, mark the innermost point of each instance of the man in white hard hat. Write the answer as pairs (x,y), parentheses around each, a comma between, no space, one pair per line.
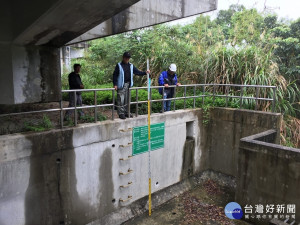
(168,78)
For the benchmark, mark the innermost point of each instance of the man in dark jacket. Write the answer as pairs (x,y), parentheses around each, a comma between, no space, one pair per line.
(75,83)
(123,80)
(168,78)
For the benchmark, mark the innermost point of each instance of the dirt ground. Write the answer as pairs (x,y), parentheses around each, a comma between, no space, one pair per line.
(202,205)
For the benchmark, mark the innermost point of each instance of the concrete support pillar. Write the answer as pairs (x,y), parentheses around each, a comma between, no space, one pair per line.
(6,80)
(29,74)
(65,54)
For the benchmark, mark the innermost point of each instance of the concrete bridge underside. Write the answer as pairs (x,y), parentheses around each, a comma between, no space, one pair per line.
(32,32)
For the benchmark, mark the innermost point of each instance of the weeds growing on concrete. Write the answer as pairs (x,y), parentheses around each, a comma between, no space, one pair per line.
(43,125)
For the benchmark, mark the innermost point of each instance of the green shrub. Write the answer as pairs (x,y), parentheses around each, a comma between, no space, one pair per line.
(43,125)
(91,119)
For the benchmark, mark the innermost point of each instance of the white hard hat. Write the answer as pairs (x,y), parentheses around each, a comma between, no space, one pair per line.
(173,67)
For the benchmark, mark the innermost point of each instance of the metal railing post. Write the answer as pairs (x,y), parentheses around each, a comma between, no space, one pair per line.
(95,104)
(241,98)
(256,97)
(194,102)
(214,94)
(163,99)
(226,91)
(129,102)
(113,107)
(75,110)
(274,100)
(137,104)
(61,114)
(203,94)
(184,106)
(174,99)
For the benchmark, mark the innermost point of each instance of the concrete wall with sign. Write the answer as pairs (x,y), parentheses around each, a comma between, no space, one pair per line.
(75,175)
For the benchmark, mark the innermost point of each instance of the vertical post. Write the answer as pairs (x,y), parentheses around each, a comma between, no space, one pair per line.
(137,104)
(75,110)
(214,94)
(226,91)
(203,94)
(241,98)
(61,114)
(194,98)
(174,99)
(113,107)
(149,137)
(256,97)
(274,100)
(184,105)
(129,102)
(95,104)
(163,100)
(150,100)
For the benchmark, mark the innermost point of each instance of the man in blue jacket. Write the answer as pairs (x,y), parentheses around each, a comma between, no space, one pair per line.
(123,80)
(168,78)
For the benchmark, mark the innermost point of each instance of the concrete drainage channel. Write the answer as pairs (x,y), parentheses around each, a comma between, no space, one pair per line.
(197,200)
(182,208)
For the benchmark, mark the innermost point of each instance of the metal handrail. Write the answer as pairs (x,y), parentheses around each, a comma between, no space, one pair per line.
(194,97)
(87,90)
(137,101)
(200,85)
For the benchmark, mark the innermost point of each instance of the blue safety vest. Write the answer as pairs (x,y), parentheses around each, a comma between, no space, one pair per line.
(121,78)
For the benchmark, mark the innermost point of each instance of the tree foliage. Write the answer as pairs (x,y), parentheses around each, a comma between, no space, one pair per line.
(240,46)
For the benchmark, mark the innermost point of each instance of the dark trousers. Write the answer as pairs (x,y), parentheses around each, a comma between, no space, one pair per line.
(72,104)
(123,99)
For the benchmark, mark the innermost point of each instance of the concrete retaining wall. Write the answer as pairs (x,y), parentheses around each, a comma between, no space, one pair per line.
(225,130)
(268,173)
(72,176)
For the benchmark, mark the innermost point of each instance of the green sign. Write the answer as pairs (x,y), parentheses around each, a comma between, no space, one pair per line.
(140,138)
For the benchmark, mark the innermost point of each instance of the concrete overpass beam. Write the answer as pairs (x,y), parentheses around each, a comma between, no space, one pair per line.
(147,13)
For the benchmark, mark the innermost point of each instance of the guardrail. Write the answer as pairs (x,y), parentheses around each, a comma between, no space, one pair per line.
(194,96)
(214,95)
(95,106)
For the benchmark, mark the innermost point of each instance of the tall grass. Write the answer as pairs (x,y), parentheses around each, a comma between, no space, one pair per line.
(251,65)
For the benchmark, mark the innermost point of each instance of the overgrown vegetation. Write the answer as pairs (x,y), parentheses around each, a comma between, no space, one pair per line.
(240,46)
(90,119)
(44,124)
